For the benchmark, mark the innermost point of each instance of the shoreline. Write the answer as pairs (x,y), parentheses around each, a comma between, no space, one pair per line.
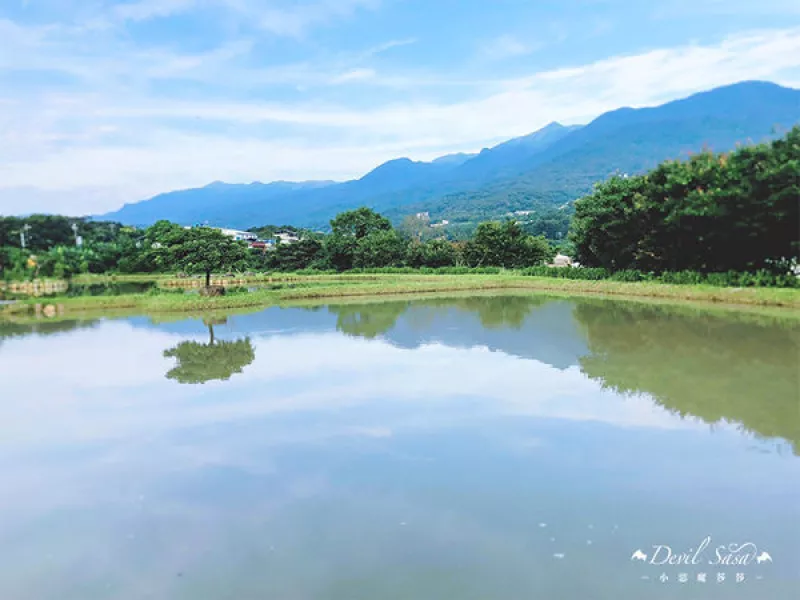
(319,288)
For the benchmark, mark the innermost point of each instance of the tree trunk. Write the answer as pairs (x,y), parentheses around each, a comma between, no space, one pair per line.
(208,278)
(210,334)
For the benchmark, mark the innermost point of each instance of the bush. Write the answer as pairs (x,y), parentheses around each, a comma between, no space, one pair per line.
(630,275)
(681,277)
(761,278)
(582,273)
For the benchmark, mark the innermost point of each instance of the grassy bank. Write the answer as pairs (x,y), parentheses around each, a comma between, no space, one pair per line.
(285,288)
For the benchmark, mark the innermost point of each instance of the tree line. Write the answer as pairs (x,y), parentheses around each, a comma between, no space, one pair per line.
(364,239)
(359,239)
(705,219)
(737,211)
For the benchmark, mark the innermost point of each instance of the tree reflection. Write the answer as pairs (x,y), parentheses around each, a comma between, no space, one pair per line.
(368,320)
(11,329)
(501,311)
(199,363)
(372,319)
(714,367)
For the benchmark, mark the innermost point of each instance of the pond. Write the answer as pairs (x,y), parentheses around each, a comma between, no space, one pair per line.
(470,448)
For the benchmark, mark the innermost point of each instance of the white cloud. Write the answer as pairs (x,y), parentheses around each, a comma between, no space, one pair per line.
(150,9)
(90,394)
(380,48)
(683,9)
(294,19)
(114,136)
(355,75)
(284,18)
(507,46)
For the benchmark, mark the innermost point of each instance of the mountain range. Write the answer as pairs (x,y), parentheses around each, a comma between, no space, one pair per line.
(545,170)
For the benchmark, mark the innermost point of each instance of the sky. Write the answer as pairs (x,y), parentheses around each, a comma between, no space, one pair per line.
(105,102)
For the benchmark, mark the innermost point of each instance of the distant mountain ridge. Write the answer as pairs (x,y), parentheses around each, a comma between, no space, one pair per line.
(543,170)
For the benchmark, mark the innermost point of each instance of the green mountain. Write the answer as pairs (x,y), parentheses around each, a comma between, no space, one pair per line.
(542,171)
(627,141)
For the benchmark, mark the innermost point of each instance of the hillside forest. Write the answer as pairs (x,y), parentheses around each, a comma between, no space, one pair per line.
(707,218)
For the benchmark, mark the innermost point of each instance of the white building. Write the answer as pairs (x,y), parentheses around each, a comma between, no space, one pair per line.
(245,236)
(285,237)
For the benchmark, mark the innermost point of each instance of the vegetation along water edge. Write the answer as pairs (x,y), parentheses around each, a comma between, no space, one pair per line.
(327,287)
(716,228)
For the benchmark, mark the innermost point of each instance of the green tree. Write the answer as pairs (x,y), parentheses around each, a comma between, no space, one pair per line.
(435,253)
(347,229)
(552,224)
(9,231)
(359,223)
(505,245)
(293,257)
(63,262)
(205,250)
(416,229)
(339,251)
(383,248)
(165,233)
(18,264)
(610,227)
(46,231)
(711,213)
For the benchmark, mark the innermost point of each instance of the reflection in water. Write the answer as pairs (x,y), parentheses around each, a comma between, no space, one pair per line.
(712,367)
(119,288)
(199,363)
(502,312)
(368,320)
(372,319)
(489,447)
(70,289)
(716,367)
(10,329)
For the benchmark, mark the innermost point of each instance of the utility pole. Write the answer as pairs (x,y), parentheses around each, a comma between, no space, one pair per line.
(78,239)
(22,231)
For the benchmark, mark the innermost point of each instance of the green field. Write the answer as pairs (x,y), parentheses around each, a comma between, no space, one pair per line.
(279,289)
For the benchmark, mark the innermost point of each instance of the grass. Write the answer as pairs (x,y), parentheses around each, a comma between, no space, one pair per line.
(291,287)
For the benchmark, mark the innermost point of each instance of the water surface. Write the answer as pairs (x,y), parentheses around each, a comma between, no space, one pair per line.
(484,447)
(72,290)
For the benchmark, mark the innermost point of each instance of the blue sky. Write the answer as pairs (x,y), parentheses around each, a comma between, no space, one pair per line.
(106,102)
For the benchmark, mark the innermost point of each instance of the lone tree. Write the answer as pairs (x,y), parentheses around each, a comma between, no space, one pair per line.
(205,250)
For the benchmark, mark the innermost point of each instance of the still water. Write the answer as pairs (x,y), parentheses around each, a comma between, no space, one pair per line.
(470,448)
(71,290)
